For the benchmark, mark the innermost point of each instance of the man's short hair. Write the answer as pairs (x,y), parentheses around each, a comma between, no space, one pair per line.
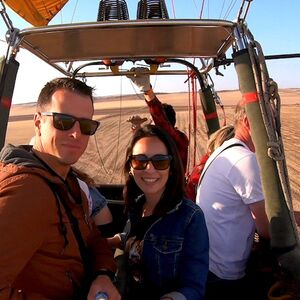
(170,113)
(71,84)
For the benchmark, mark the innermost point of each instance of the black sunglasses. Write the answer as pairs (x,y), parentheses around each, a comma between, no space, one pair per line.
(159,161)
(65,122)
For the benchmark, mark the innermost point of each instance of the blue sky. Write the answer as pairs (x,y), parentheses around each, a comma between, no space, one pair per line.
(272,22)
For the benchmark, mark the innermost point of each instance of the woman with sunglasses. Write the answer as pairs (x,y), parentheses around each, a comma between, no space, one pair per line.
(165,239)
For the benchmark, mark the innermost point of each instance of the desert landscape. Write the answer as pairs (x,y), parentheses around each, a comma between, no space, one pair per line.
(104,157)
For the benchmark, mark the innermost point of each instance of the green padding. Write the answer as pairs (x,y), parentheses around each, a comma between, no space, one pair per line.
(7,83)
(244,71)
(209,107)
(282,233)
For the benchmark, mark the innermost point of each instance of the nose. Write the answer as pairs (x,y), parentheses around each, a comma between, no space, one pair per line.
(150,166)
(75,130)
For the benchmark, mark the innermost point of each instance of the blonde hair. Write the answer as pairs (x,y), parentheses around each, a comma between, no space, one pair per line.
(219,137)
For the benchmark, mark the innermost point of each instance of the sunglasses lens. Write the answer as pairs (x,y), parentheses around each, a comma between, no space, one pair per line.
(66,122)
(161,162)
(139,162)
(63,122)
(88,127)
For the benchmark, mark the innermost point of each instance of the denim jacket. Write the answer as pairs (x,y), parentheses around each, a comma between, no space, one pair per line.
(175,252)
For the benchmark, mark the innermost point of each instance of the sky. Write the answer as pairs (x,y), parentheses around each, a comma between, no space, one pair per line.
(272,22)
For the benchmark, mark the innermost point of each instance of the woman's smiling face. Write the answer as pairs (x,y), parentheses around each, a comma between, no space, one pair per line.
(150,180)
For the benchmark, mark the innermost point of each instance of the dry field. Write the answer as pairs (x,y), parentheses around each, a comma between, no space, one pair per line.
(106,150)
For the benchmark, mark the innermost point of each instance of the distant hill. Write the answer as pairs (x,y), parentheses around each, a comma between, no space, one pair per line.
(126,97)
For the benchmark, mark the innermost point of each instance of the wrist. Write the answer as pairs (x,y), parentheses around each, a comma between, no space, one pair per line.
(149,95)
(148,90)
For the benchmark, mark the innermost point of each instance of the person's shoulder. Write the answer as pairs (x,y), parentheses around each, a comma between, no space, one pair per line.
(236,146)
(29,180)
(233,143)
(189,205)
(27,192)
(96,194)
(190,212)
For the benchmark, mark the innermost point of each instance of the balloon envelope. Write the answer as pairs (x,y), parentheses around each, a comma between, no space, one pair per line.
(36,12)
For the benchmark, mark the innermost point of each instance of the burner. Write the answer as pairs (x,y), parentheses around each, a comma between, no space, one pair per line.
(152,9)
(112,10)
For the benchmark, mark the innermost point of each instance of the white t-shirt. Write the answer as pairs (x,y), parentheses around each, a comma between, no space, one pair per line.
(230,184)
(86,190)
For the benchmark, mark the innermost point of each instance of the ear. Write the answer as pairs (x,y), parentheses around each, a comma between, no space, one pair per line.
(37,123)
(130,173)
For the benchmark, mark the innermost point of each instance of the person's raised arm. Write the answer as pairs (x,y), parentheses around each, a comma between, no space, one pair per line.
(141,79)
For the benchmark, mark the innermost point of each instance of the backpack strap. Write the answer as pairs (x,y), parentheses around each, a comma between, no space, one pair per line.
(217,154)
(60,194)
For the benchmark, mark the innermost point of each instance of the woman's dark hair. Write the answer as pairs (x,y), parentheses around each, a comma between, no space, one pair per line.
(174,190)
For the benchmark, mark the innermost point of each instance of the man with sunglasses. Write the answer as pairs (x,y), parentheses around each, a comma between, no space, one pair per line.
(50,248)
(163,114)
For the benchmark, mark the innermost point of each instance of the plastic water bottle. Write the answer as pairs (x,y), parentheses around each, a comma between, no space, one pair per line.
(101,296)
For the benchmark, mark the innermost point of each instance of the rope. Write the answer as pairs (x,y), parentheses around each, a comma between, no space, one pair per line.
(269,101)
(75,7)
(119,132)
(5,17)
(201,10)
(173,9)
(229,9)
(112,173)
(100,157)
(196,7)
(189,117)
(222,9)
(194,98)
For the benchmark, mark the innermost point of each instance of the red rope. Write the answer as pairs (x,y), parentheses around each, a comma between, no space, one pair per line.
(189,91)
(194,97)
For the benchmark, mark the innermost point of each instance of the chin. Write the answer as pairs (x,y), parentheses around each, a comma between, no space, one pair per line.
(69,160)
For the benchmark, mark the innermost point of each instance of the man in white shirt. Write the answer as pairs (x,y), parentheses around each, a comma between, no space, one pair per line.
(231,198)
